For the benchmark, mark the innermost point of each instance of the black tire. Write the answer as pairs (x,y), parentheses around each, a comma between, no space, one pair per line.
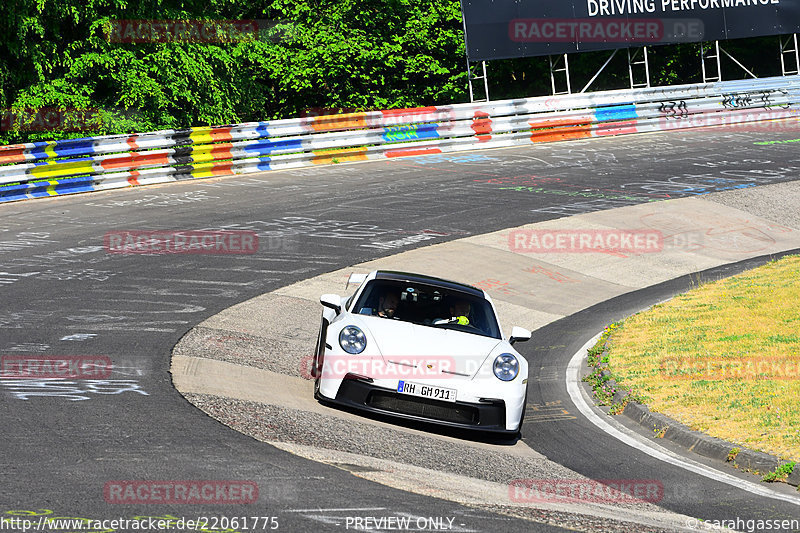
(522,418)
(319,356)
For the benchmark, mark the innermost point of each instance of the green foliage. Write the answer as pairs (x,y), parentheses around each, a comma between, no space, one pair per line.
(781,473)
(350,54)
(365,55)
(732,454)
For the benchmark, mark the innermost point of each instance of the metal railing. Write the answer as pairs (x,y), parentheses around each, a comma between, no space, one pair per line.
(53,168)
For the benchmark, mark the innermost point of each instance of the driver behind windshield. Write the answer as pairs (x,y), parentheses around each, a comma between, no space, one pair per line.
(387,304)
(459,313)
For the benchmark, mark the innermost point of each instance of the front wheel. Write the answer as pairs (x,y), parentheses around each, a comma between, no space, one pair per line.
(522,416)
(319,356)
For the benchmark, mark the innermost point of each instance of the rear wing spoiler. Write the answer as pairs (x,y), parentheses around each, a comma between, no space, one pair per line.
(355,279)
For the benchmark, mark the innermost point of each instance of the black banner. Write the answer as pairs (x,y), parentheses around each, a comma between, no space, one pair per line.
(501,29)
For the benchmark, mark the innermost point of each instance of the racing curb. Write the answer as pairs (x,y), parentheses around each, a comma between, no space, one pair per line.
(695,441)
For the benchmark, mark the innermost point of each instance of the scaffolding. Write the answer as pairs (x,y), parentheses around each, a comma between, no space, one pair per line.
(472,76)
(710,57)
(789,48)
(642,63)
(555,70)
(639,67)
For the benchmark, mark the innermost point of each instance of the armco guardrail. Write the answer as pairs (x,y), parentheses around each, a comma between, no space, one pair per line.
(99,163)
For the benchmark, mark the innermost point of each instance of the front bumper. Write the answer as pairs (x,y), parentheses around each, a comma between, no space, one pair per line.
(359,394)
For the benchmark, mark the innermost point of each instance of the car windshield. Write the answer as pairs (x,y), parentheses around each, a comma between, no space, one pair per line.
(428,305)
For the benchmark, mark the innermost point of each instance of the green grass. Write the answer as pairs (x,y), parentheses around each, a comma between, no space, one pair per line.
(723,358)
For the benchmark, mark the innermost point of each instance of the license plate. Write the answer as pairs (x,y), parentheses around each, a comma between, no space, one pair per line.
(427,391)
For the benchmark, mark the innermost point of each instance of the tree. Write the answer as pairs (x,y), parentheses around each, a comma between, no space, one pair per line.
(67,54)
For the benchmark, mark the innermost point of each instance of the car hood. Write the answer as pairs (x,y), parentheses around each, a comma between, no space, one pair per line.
(462,353)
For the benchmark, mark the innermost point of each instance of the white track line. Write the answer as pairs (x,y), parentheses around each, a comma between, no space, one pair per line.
(623,434)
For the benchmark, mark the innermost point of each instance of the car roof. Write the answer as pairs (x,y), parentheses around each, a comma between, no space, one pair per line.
(429,280)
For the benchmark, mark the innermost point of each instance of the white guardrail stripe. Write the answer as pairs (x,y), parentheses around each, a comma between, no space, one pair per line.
(106,162)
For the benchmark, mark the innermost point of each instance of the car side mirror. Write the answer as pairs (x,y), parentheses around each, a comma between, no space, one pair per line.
(519,334)
(331,301)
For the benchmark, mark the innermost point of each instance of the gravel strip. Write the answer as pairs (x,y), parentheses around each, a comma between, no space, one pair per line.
(576,522)
(285,355)
(274,423)
(777,202)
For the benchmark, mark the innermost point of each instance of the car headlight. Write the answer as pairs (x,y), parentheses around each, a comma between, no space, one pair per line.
(506,367)
(352,340)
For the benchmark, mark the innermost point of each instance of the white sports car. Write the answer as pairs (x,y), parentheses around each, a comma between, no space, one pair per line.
(421,348)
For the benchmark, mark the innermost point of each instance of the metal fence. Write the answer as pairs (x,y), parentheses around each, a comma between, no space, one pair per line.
(53,168)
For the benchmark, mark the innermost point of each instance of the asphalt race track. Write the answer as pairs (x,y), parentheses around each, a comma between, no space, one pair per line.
(63,294)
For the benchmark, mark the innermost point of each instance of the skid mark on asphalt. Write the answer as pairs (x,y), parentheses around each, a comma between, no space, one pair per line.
(546,412)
